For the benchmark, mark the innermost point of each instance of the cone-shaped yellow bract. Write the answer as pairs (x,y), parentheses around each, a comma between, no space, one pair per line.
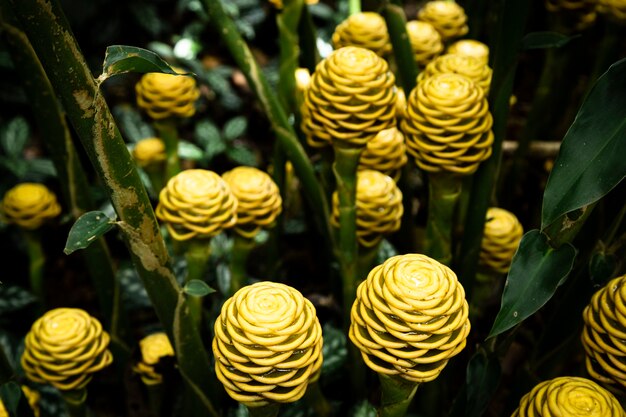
(604,333)
(267,345)
(196,203)
(167,95)
(64,347)
(448,124)
(446,16)
(351,98)
(613,9)
(472,68)
(149,151)
(378,207)
(568,397)
(29,205)
(258,196)
(425,41)
(574,14)
(385,153)
(501,237)
(410,317)
(153,347)
(366,30)
(470,47)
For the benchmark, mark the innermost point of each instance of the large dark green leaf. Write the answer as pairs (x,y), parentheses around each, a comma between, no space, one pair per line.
(536,272)
(541,40)
(86,229)
(120,59)
(590,162)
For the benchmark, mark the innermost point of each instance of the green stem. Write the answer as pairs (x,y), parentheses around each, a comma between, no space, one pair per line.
(402,50)
(167,131)
(397,395)
(366,261)
(155,398)
(36,261)
(75,402)
(197,254)
(444,191)
(242,246)
(270,410)
(317,400)
(287,21)
(354,6)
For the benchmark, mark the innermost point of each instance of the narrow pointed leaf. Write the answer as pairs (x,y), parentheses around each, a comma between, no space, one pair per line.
(198,288)
(543,40)
(120,59)
(536,272)
(89,227)
(482,380)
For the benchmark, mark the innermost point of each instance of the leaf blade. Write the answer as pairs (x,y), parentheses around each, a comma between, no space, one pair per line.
(86,229)
(121,59)
(543,40)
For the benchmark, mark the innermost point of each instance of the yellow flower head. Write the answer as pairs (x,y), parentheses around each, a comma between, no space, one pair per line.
(470,47)
(32,397)
(446,16)
(267,345)
(351,98)
(29,205)
(366,30)
(472,68)
(568,396)
(448,124)
(502,235)
(196,203)
(425,41)
(153,348)
(410,317)
(613,9)
(604,333)
(385,153)
(64,348)
(167,95)
(303,79)
(575,15)
(149,151)
(400,103)
(258,196)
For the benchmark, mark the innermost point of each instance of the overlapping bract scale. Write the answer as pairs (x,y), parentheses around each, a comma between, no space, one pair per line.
(29,205)
(385,153)
(472,68)
(575,15)
(568,396)
(470,47)
(350,99)
(258,196)
(196,203)
(448,124)
(613,9)
(64,347)
(149,151)
(366,30)
(425,41)
(167,95)
(410,317)
(502,235)
(447,17)
(153,347)
(604,334)
(267,345)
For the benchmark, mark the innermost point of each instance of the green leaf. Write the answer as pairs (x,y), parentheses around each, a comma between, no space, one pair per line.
(235,128)
(120,59)
(482,380)
(10,394)
(86,229)
(590,162)
(536,272)
(197,288)
(133,126)
(206,132)
(364,409)
(543,40)
(242,155)
(40,166)
(13,137)
(602,268)
(14,298)
(187,150)
(147,16)
(334,351)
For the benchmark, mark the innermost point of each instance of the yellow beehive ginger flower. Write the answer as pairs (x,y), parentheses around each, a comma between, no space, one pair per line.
(167,95)
(32,397)
(153,347)
(613,9)
(149,152)
(267,345)
(258,196)
(446,16)
(378,207)
(410,317)
(64,348)
(385,153)
(425,41)
(29,205)
(400,103)
(604,333)
(351,98)
(573,14)
(472,68)
(568,396)
(502,235)
(196,203)
(470,47)
(366,30)
(448,124)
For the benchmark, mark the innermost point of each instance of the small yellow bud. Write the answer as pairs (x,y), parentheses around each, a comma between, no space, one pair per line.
(29,205)
(447,17)
(167,95)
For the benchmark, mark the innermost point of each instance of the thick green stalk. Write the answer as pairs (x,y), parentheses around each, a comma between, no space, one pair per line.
(197,254)
(444,190)
(168,133)
(397,395)
(354,6)
(270,410)
(287,21)
(75,402)
(36,262)
(242,246)
(52,39)
(155,398)
(402,50)
(407,239)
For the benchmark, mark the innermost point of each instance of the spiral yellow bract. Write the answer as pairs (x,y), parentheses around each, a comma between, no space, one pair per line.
(32,397)
(604,334)
(472,68)
(446,16)
(613,9)
(167,95)
(29,205)
(425,41)
(351,98)
(366,30)
(448,124)
(470,47)
(501,237)
(196,203)
(153,347)
(267,345)
(64,348)
(410,317)
(258,196)
(149,151)
(400,103)
(574,14)
(385,153)
(568,396)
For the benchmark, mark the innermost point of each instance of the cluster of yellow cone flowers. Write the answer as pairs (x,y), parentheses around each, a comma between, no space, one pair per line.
(164,96)
(29,205)
(501,237)
(366,30)
(153,347)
